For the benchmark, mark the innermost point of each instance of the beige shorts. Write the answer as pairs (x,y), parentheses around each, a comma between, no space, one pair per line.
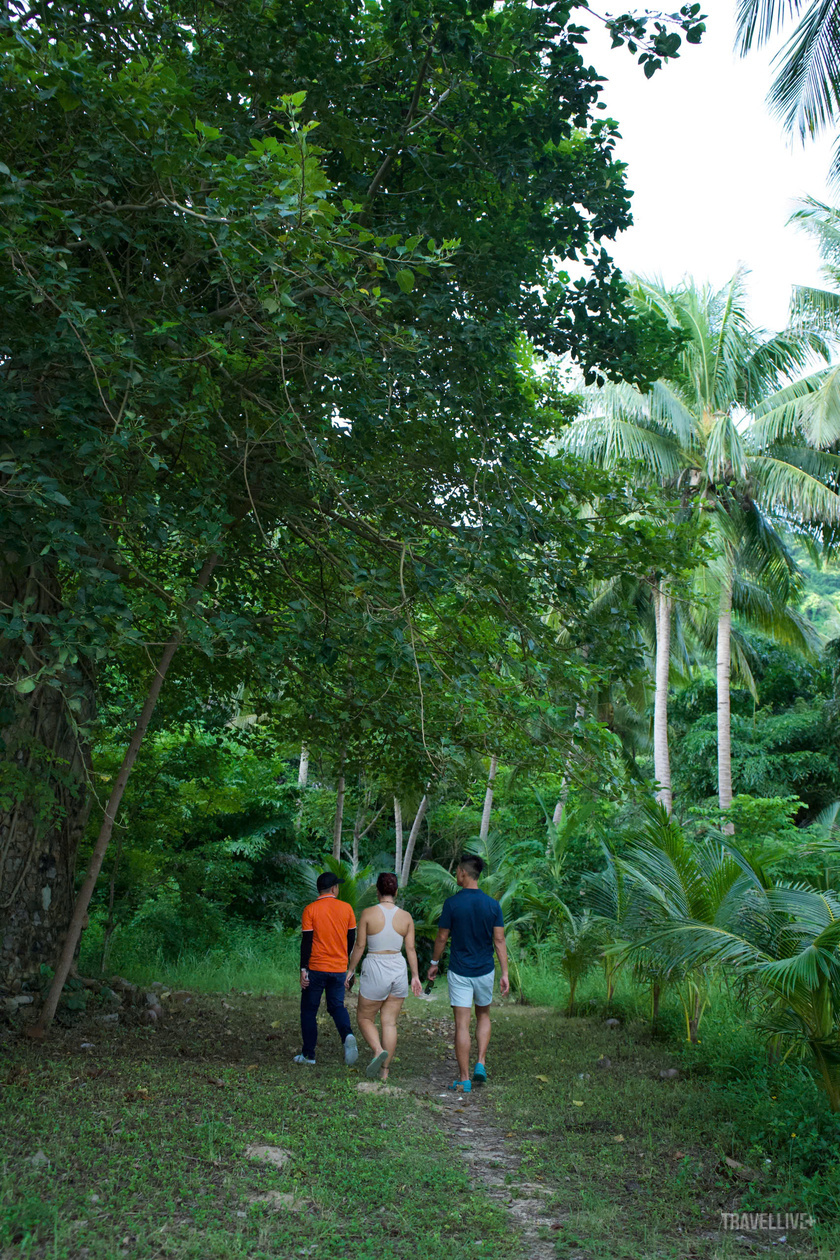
(383,976)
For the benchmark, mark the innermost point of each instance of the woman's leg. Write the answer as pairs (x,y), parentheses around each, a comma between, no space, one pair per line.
(391,1008)
(365,1015)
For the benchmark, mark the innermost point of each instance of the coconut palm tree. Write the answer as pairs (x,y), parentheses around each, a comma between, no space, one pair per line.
(695,434)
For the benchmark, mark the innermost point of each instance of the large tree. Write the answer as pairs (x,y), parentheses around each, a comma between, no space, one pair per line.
(223,345)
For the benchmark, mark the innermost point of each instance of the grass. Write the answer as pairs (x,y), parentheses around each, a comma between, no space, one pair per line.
(260,961)
(136,1146)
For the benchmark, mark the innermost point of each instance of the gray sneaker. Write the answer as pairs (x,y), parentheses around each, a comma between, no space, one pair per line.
(351,1050)
(302,1058)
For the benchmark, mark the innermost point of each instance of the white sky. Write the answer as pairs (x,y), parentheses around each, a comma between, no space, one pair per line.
(714,178)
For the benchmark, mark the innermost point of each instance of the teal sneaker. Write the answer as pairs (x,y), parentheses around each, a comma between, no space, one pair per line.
(479,1074)
(465,1085)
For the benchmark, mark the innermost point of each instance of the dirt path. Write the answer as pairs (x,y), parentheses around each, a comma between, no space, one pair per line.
(492,1158)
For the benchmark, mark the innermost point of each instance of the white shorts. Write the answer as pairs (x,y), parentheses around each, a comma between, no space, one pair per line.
(464,990)
(383,976)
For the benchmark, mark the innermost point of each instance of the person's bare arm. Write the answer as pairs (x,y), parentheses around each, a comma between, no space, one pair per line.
(358,948)
(437,949)
(411,955)
(501,949)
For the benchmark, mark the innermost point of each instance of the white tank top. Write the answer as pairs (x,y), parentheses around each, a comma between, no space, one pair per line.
(388,938)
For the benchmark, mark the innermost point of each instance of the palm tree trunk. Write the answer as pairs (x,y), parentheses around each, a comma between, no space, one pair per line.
(488,798)
(398,837)
(412,839)
(724,669)
(580,714)
(662,602)
(303,768)
(339,808)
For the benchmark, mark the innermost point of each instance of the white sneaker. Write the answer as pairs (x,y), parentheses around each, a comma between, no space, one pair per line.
(351,1050)
(301,1058)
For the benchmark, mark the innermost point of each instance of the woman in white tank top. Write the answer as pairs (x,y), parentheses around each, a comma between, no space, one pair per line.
(385,930)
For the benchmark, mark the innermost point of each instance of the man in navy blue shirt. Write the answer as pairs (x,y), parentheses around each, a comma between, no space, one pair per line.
(476,927)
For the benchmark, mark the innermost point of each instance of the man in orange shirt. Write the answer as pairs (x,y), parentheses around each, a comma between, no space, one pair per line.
(329,934)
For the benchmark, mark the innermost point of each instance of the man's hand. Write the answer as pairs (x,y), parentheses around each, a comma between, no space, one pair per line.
(433,967)
(416,986)
(304,978)
(504,985)
(348,979)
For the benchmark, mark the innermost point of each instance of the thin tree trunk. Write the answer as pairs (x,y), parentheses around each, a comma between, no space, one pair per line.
(398,837)
(339,807)
(303,768)
(661,756)
(412,839)
(65,962)
(559,808)
(488,798)
(724,668)
(112,889)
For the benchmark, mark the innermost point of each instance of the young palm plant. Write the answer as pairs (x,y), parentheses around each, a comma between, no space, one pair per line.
(666,877)
(784,940)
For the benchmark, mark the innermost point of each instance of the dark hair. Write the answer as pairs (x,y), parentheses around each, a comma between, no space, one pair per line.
(387,885)
(472,864)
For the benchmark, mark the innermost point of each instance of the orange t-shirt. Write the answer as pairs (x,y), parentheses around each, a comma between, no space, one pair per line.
(330,920)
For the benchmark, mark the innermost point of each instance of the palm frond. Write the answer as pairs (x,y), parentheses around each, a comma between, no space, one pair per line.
(790,483)
(804,92)
(758,20)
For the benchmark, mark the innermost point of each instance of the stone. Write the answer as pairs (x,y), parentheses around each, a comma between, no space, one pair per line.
(612,1023)
(38,1158)
(276,1155)
(112,1018)
(669,1074)
(13,1004)
(280,1201)
(604,1062)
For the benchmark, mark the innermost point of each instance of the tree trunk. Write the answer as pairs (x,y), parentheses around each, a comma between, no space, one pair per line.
(398,837)
(488,798)
(44,798)
(580,714)
(303,768)
(412,839)
(339,808)
(77,922)
(655,996)
(661,757)
(724,667)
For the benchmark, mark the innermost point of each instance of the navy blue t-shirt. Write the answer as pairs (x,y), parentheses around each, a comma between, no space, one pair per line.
(471,916)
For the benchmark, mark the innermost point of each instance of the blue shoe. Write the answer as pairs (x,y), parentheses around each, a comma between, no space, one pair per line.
(351,1050)
(303,1058)
(479,1074)
(465,1085)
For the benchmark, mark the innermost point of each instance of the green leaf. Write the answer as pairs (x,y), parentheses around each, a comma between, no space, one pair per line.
(24,685)
(405,279)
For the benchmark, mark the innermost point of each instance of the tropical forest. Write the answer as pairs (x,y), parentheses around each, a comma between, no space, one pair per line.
(374,548)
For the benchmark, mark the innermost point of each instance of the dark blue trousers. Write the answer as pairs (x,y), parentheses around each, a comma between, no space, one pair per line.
(331,983)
